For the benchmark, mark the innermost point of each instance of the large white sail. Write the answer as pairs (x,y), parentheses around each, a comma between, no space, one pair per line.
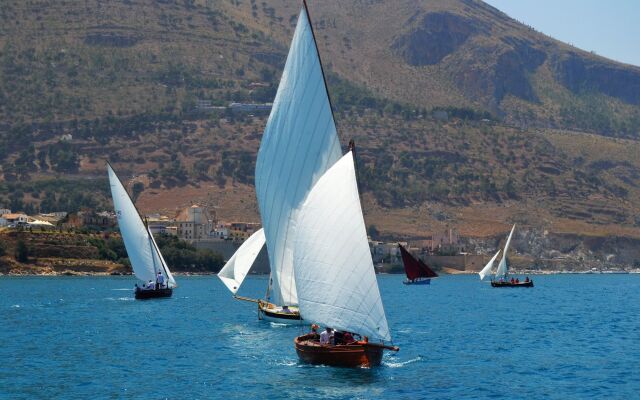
(299,144)
(334,272)
(141,249)
(487,268)
(237,268)
(503,268)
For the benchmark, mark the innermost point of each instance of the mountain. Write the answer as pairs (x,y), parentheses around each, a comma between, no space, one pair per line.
(463,117)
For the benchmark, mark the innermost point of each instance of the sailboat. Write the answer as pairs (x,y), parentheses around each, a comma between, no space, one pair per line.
(145,257)
(334,274)
(237,268)
(500,278)
(418,273)
(299,144)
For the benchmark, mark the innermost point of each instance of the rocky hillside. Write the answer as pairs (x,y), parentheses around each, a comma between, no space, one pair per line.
(463,117)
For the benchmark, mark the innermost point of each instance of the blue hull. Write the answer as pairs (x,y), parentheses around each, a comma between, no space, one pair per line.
(418,282)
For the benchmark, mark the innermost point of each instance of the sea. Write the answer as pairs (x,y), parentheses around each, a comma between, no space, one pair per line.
(569,337)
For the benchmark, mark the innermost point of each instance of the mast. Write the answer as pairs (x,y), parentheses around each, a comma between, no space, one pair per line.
(324,76)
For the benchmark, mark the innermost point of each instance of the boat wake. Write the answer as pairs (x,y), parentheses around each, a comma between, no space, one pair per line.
(402,363)
(120,298)
(129,289)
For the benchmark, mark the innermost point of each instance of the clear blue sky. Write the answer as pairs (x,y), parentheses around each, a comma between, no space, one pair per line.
(610,28)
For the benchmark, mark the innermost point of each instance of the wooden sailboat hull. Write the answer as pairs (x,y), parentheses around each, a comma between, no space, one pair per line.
(417,281)
(271,313)
(358,354)
(153,294)
(509,284)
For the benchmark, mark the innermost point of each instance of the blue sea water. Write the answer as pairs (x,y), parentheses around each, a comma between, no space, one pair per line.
(570,337)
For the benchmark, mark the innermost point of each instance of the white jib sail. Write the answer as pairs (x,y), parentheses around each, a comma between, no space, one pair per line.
(503,268)
(158,258)
(299,144)
(137,240)
(335,278)
(487,268)
(237,268)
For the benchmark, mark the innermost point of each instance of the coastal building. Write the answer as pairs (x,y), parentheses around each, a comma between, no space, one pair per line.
(5,211)
(250,108)
(193,223)
(15,218)
(93,219)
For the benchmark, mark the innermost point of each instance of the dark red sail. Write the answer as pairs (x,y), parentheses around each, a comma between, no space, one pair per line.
(415,268)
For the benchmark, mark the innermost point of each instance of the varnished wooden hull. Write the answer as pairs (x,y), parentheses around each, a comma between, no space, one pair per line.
(153,294)
(509,284)
(351,355)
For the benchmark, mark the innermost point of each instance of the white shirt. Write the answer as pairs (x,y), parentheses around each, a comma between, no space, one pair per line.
(324,337)
(161,279)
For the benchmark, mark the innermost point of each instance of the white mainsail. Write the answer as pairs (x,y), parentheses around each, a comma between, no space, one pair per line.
(236,269)
(334,272)
(487,268)
(503,268)
(299,144)
(142,250)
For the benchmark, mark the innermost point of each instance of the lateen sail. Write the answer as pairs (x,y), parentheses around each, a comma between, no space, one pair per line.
(334,272)
(145,259)
(414,267)
(487,268)
(236,269)
(503,268)
(299,144)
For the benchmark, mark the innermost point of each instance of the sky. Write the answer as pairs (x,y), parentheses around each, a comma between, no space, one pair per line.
(609,28)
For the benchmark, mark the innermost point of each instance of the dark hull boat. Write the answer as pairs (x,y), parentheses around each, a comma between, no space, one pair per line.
(509,284)
(357,354)
(418,273)
(153,294)
(426,281)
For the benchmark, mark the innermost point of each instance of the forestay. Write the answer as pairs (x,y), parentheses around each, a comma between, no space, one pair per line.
(503,268)
(334,272)
(299,144)
(487,268)
(237,268)
(139,243)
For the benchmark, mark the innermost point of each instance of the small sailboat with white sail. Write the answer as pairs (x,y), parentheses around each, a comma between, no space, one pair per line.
(236,270)
(299,144)
(146,260)
(335,277)
(501,278)
(418,273)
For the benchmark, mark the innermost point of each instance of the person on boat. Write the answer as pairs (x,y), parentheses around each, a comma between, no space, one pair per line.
(347,338)
(325,336)
(151,285)
(285,309)
(513,280)
(338,337)
(526,280)
(160,280)
(517,280)
(314,329)
(136,287)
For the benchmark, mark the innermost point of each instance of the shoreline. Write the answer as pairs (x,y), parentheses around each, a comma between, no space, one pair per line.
(107,274)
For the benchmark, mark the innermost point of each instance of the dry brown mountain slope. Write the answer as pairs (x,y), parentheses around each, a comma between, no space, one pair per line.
(466,53)
(124,78)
